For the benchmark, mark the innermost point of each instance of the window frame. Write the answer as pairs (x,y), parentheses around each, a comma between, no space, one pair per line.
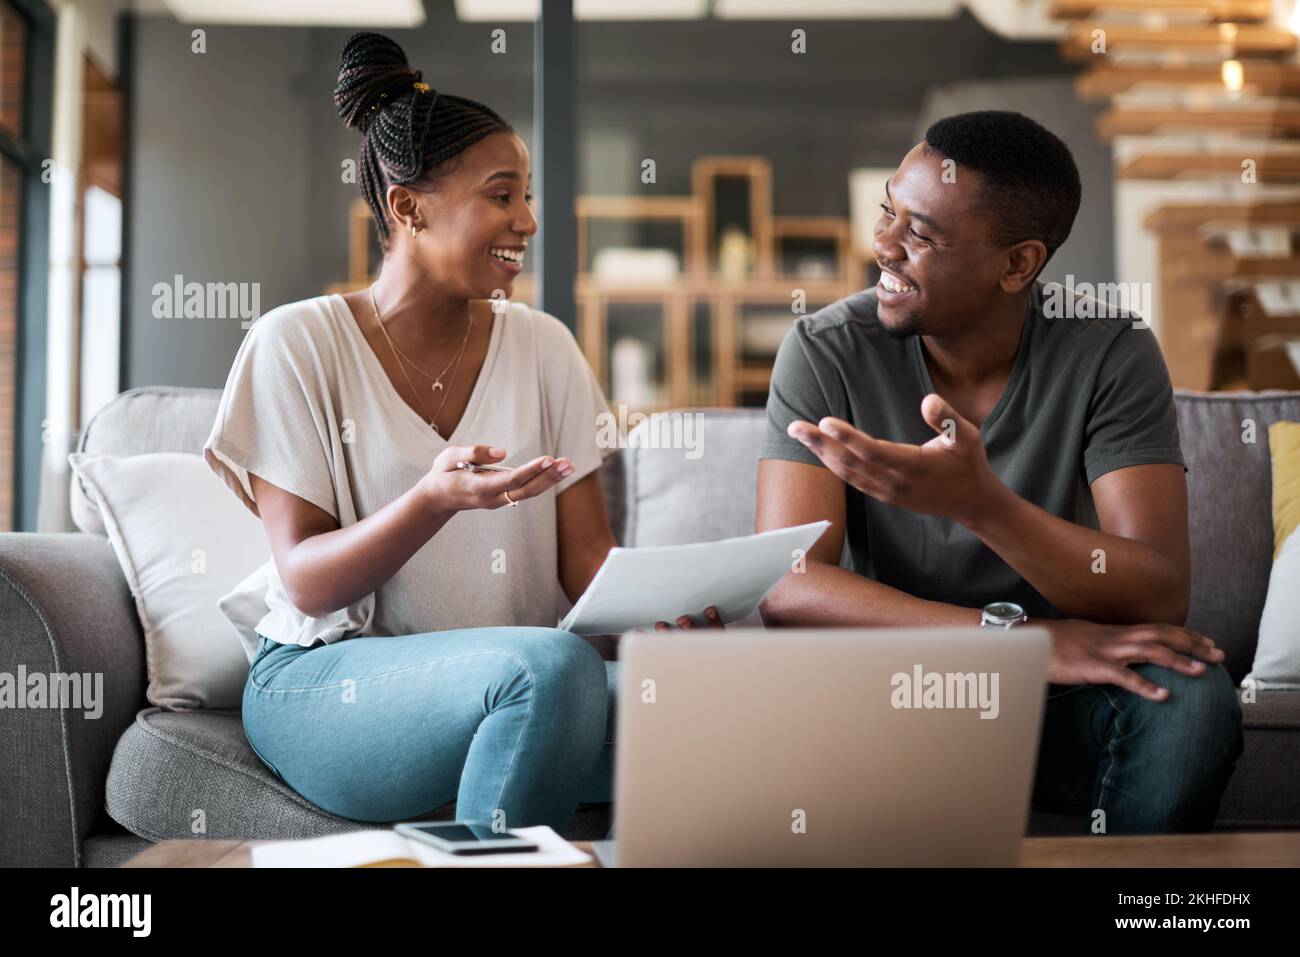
(28,150)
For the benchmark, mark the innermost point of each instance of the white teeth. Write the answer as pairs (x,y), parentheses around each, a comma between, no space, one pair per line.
(509,255)
(892,284)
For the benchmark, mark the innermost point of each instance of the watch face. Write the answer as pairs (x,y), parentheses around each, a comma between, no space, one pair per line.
(1004,610)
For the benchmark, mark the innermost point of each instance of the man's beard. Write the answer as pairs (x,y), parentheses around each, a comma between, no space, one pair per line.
(903,329)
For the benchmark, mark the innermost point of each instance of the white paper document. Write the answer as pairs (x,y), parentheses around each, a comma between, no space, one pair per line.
(376,848)
(637,587)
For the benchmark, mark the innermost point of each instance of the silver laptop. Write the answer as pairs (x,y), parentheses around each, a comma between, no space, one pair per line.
(863,747)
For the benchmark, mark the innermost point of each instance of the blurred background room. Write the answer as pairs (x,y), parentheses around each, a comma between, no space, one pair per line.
(705,172)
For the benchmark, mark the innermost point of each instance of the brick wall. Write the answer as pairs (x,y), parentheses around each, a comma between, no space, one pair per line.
(12,43)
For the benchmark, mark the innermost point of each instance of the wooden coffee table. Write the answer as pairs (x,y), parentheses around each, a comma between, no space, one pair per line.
(1244,849)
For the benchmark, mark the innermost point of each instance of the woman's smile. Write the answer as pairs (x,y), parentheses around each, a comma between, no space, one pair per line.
(509,259)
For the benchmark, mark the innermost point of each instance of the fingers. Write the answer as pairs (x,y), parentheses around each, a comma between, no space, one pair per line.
(527,480)
(1157,654)
(1130,680)
(943,418)
(878,456)
(1180,639)
(710,616)
(551,472)
(856,464)
(478,454)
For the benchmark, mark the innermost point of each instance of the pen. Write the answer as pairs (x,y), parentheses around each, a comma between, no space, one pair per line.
(476,467)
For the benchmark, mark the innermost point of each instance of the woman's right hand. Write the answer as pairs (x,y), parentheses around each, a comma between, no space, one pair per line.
(449,488)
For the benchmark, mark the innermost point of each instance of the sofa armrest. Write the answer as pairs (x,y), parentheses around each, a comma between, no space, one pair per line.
(65,610)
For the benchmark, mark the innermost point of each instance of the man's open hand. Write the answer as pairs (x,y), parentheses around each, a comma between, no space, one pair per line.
(948,476)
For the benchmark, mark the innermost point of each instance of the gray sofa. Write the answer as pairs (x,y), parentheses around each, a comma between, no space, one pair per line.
(79,792)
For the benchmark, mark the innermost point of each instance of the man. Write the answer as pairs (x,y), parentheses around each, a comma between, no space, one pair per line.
(973,445)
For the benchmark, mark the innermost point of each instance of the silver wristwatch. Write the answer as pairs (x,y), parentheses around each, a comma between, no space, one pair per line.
(1002,614)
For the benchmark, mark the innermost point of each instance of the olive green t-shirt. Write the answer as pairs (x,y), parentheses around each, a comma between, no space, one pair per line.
(1086,396)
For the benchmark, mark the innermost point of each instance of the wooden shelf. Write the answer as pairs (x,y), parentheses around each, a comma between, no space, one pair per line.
(685,210)
(752,378)
(1275,168)
(1258,78)
(1195,216)
(1280,123)
(701,286)
(1228,39)
(704,171)
(1239,11)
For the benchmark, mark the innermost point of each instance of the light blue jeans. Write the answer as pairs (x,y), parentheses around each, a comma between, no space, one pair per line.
(514,724)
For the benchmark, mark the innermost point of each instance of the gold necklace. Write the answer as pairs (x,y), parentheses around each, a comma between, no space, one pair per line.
(437,384)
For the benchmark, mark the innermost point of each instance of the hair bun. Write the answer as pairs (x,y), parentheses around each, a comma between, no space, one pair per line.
(373,71)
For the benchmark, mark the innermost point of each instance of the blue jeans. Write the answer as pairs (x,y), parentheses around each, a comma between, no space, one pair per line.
(1149,767)
(513,724)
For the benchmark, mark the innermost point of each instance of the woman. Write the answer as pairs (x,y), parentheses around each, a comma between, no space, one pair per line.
(343,425)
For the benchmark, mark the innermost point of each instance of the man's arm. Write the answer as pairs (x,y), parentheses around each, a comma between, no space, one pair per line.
(1136,569)
(1083,652)
(1142,512)
(825,595)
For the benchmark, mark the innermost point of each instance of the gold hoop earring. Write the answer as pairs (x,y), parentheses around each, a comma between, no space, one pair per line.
(413,230)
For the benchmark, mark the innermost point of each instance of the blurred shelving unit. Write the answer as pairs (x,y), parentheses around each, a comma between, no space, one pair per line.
(1204,119)
(746,275)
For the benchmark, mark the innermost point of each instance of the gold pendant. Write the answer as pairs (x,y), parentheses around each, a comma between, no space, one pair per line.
(437,385)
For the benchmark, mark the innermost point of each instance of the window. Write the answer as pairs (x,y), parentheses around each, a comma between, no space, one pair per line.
(13,43)
(26,92)
(11,178)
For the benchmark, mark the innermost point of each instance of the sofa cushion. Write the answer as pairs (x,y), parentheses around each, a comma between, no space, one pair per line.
(1225,443)
(1264,790)
(187,775)
(193,774)
(183,541)
(150,419)
(673,499)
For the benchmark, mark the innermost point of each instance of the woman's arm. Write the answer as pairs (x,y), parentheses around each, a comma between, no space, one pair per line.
(325,567)
(583,532)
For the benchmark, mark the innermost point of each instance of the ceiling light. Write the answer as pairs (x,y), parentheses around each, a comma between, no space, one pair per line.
(337,13)
(795,10)
(503,11)
(1233,76)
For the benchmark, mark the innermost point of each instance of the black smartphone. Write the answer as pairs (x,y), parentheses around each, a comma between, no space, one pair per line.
(456,837)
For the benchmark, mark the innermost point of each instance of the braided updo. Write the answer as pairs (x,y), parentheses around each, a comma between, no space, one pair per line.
(407,131)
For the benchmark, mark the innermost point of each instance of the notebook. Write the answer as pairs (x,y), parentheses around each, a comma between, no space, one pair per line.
(376,848)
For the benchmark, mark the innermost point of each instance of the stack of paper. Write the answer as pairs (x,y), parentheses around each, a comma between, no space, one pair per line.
(637,587)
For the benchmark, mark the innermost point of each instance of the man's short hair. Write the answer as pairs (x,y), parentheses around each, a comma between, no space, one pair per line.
(1031,183)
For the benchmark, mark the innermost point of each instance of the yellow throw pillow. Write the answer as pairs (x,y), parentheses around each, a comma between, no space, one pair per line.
(1284,447)
(1285,450)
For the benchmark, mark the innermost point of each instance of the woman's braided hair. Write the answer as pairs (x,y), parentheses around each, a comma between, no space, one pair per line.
(408,129)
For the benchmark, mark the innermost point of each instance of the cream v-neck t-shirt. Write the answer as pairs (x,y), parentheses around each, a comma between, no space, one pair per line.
(308,407)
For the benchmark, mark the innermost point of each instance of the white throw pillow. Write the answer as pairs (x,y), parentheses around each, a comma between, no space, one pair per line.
(1277,656)
(246,606)
(183,542)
